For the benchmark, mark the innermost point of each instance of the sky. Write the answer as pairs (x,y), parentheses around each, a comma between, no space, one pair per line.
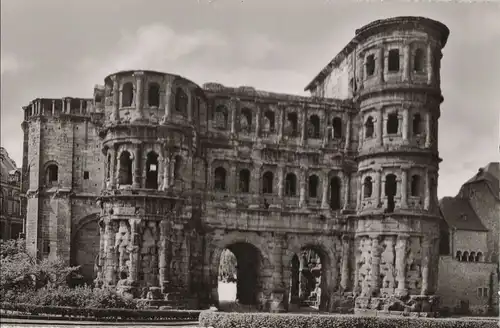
(58,48)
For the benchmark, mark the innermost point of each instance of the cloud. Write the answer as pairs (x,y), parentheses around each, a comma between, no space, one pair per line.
(9,63)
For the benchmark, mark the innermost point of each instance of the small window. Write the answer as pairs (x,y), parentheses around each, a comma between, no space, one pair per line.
(415,185)
(220,179)
(181,101)
(127,94)
(52,174)
(269,121)
(337,128)
(291,127)
(246,120)
(370,65)
(392,123)
(393,60)
(221,118)
(244,180)
(177,167)
(418,61)
(46,247)
(458,256)
(314,127)
(86,175)
(367,187)
(369,127)
(290,185)
(125,173)
(267,183)
(152,170)
(390,191)
(154,95)
(313,186)
(417,124)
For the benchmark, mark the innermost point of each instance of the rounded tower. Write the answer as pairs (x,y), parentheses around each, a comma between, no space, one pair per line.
(149,140)
(399,97)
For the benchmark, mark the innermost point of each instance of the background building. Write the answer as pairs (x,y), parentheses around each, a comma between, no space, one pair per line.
(468,270)
(11,216)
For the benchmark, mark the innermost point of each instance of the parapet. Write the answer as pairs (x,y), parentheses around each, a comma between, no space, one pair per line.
(59,106)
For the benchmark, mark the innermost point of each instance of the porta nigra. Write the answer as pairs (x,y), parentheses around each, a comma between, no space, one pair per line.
(146,183)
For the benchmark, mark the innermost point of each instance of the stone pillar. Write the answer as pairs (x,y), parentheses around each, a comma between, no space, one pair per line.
(190,107)
(406,62)
(361,71)
(234,110)
(68,106)
(136,165)
(359,191)
(380,65)
(134,250)
(325,125)
(281,180)
(281,116)
(348,134)
(305,120)
(344,279)
(302,187)
(406,122)
(347,190)
(81,106)
(110,232)
(166,172)
(53,107)
(427,199)
(326,183)
(278,292)
(378,187)
(430,68)
(257,121)
(162,253)
(400,265)
(112,167)
(425,265)
(375,268)
(380,126)
(140,95)
(428,131)
(116,99)
(404,186)
(168,98)
(233,181)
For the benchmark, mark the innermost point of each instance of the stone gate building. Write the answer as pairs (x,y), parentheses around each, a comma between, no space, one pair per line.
(182,172)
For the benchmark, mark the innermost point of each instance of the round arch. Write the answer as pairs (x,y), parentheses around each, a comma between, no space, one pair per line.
(85,239)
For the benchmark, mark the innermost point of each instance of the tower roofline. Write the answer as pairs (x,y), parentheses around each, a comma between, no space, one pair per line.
(373,28)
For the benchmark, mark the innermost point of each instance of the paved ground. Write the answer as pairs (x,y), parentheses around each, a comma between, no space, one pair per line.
(16,323)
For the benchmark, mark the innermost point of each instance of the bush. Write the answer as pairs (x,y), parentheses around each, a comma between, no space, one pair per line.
(268,320)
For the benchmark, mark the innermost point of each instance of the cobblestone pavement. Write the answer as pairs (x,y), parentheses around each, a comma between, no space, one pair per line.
(16,323)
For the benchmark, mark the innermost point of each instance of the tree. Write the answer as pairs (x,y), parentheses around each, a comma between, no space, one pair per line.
(227,266)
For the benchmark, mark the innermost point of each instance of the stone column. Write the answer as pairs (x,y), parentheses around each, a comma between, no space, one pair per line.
(361,71)
(425,265)
(257,121)
(302,186)
(136,165)
(53,107)
(404,186)
(281,180)
(305,120)
(359,191)
(400,265)
(139,98)
(428,131)
(406,62)
(325,129)
(378,186)
(375,267)
(427,199)
(278,292)
(344,279)
(380,65)
(430,68)
(112,167)
(116,99)
(162,253)
(347,190)
(81,106)
(234,110)
(134,250)
(348,134)
(281,116)
(233,181)
(68,106)
(326,182)
(168,98)
(406,121)
(380,126)
(110,232)
(190,107)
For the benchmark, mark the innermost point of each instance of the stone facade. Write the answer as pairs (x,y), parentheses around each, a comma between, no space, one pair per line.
(184,172)
(11,211)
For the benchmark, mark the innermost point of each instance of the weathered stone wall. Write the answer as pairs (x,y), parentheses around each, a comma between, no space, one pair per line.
(471,241)
(460,282)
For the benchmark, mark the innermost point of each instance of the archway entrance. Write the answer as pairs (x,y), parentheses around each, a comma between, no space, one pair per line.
(85,248)
(238,275)
(307,281)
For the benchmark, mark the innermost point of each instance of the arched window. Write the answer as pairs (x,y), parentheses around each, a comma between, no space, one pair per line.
(267,182)
(393,65)
(418,61)
(246,120)
(458,256)
(390,191)
(177,167)
(479,257)
(313,127)
(244,180)
(290,185)
(465,256)
(369,127)
(127,94)
(181,100)
(291,127)
(269,121)
(392,123)
(152,170)
(370,65)
(221,117)
(337,127)
(335,186)
(52,174)
(367,187)
(154,95)
(108,166)
(472,257)
(313,186)
(417,124)
(125,174)
(415,185)
(220,179)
